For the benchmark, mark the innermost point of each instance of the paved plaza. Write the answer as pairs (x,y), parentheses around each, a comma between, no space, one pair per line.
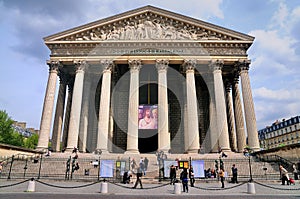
(72,189)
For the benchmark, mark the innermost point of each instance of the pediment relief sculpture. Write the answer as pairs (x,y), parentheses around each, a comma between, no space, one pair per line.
(149,29)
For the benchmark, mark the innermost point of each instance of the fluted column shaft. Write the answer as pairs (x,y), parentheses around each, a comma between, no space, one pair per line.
(46,119)
(230,117)
(253,141)
(59,114)
(193,126)
(132,134)
(222,125)
(67,117)
(163,113)
(239,117)
(103,123)
(76,106)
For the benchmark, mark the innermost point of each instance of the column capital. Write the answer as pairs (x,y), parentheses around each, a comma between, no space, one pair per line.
(135,65)
(107,64)
(216,65)
(189,65)
(227,85)
(80,65)
(63,78)
(162,65)
(243,65)
(54,65)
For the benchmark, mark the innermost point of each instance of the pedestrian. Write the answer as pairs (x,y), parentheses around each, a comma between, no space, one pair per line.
(191,176)
(172,174)
(133,164)
(234,171)
(146,162)
(142,166)
(1,168)
(184,180)
(139,175)
(295,171)
(284,175)
(222,176)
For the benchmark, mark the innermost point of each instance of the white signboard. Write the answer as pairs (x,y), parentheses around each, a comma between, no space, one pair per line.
(107,168)
(198,166)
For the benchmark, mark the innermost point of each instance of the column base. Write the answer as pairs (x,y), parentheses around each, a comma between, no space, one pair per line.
(193,151)
(43,149)
(132,151)
(103,151)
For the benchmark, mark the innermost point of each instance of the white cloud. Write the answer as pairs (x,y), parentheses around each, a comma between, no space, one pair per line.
(276,95)
(280,16)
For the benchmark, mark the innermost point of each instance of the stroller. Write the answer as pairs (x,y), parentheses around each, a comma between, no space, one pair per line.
(292,181)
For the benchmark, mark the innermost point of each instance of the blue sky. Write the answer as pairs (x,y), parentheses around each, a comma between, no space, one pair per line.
(274,72)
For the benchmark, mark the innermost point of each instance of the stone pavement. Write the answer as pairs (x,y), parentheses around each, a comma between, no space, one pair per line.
(158,189)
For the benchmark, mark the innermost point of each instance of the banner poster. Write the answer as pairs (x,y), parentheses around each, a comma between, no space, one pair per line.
(198,166)
(167,165)
(107,168)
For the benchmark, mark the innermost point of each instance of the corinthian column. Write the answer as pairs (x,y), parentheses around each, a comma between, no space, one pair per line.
(76,106)
(192,122)
(59,113)
(253,141)
(133,108)
(48,106)
(103,124)
(238,113)
(163,114)
(230,117)
(222,127)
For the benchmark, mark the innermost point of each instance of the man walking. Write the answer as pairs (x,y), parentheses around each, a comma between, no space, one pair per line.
(139,175)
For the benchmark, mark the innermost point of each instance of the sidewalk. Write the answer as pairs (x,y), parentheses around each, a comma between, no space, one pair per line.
(149,189)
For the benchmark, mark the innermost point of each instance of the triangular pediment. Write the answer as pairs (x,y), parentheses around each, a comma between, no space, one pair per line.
(148,23)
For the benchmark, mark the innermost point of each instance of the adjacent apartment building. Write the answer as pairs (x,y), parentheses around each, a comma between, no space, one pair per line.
(281,133)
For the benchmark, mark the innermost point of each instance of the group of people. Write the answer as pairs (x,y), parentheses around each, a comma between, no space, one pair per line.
(185,175)
(285,175)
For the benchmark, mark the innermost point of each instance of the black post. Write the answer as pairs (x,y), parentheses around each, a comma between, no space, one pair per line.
(67,175)
(25,168)
(99,169)
(159,170)
(12,161)
(251,179)
(40,167)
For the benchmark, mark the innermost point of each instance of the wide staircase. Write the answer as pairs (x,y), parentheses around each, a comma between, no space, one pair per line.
(55,166)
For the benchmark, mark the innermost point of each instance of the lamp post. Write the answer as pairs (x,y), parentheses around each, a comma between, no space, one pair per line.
(251,179)
(99,152)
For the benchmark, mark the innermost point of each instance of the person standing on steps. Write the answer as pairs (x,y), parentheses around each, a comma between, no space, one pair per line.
(234,171)
(191,176)
(222,176)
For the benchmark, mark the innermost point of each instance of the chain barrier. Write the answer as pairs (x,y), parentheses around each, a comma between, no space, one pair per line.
(10,185)
(219,189)
(126,187)
(277,188)
(63,187)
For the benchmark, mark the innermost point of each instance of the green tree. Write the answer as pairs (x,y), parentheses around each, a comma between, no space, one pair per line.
(7,133)
(31,142)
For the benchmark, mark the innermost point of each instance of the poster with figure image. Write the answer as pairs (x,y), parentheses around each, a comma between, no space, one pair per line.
(148,116)
(107,168)
(198,166)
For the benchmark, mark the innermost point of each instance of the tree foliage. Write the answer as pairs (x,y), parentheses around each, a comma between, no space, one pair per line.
(8,135)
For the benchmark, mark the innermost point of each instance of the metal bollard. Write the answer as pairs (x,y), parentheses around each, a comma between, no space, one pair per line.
(250,188)
(31,185)
(103,187)
(177,188)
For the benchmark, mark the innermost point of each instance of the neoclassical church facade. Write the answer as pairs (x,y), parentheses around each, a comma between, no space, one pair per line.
(147,80)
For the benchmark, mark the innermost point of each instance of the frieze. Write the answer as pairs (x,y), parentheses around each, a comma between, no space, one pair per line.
(153,49)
